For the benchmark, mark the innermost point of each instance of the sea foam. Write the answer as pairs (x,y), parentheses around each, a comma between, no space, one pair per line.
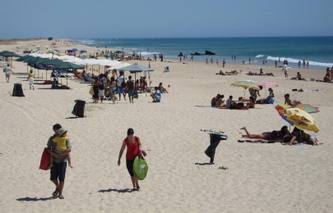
(294,60)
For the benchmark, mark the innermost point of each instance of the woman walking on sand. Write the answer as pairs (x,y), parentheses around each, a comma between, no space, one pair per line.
(133,145)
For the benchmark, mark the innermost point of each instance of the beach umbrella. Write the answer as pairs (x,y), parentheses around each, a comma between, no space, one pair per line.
(268,84)
(245,84)
(298,118)
(8,54)
(67,66)
(136,68)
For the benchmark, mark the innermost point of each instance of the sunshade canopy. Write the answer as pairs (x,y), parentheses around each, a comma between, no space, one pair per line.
(134,68)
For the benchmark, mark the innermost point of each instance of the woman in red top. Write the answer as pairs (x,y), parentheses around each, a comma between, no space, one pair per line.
(133,150)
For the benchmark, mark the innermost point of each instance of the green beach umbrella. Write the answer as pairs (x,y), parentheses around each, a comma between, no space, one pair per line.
(8,54)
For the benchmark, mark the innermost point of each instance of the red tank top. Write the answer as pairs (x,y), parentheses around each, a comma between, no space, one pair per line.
(133,149)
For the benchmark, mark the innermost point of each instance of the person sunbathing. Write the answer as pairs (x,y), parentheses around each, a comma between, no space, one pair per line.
(240,104)
(299,136)
(298,77)
(261,73)
(288,102)
(327,77)
(233,72)
(277,135)
(217,101)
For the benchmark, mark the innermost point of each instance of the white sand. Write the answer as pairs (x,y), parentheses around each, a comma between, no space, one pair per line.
(260,178)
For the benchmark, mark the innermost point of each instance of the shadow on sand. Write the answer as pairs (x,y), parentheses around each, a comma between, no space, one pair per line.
(204,164)
(73,117)
(116,190)
(34,199)
(203,106)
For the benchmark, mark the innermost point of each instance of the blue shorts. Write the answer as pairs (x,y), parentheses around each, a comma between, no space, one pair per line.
(130,93)
(120,90)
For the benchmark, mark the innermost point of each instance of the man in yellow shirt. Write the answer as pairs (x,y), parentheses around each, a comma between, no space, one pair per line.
(59,147)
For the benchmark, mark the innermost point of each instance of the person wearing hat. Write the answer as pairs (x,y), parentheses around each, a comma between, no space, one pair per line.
(133,145)
(59,147)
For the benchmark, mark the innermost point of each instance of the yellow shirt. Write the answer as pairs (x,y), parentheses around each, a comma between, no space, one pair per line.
(31,76)
(60,142)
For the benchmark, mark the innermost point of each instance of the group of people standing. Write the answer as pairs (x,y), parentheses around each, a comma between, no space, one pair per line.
(109,86)
(115,87)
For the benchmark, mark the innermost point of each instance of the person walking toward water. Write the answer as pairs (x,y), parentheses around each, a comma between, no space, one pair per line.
(133,145)
(59,147)
(31,78)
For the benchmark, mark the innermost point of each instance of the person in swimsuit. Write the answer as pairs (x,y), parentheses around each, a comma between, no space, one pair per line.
(133,145)
(299,136)
(281,134)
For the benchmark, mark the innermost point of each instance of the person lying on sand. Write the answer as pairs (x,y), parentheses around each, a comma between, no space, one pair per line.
(299,136)
(293,103)
(278,135)
(233,72)
(261,73)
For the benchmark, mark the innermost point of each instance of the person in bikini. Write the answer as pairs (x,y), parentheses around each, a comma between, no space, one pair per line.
(281,134)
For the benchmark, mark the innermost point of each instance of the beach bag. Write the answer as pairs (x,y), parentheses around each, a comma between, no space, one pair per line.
(45,160)
(17,90)
(78,109)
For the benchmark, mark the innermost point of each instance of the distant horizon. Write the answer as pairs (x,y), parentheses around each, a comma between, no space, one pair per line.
(189,37)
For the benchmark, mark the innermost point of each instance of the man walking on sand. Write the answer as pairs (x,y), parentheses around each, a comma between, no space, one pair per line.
(56,144)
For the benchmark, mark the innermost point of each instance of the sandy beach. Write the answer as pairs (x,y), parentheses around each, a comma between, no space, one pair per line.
(259,178)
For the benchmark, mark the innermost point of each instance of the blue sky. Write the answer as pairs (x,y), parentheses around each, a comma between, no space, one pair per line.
(168,18)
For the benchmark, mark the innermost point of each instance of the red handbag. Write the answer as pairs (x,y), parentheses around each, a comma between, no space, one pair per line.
(45,160)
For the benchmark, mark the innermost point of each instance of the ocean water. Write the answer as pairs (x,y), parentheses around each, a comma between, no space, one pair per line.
(317,50)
